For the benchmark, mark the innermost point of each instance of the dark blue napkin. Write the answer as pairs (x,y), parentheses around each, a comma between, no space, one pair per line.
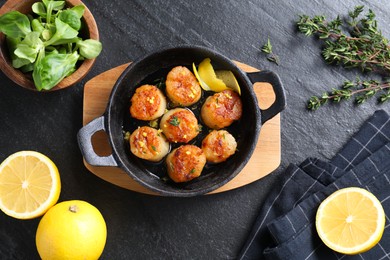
(285,227)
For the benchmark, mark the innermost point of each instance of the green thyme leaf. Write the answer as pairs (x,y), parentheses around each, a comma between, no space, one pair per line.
(355,42)
(267,48)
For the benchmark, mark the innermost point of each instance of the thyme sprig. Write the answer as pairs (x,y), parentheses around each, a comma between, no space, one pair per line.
(272,57)
(354,43)
(361,89)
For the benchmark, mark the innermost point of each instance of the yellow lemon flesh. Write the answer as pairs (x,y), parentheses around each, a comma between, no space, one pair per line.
(217,81)
(29,184)
(229,79)
(350,221)
(71,230)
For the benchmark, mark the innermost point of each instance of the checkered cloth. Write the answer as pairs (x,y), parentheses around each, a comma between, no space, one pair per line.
(285,227)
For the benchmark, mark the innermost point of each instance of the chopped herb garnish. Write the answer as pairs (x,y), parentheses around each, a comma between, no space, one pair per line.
(267,48)
(153,123)
(175,121)
(127,136)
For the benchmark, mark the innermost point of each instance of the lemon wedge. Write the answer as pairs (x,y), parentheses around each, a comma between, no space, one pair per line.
(350,221)
(229,79)
(217,81)
(29,185)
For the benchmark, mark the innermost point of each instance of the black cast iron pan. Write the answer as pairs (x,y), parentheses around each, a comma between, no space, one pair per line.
(116,121)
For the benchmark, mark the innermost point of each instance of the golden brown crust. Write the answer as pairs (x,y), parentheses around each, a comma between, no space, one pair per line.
(185,163)
(221,109)
(179,125)
(182,87)
(147,103)
(149,144)
(218,146)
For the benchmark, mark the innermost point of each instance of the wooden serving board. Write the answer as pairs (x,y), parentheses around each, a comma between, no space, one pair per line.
(265,159)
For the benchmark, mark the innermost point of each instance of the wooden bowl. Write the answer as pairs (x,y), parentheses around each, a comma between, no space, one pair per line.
(25,79)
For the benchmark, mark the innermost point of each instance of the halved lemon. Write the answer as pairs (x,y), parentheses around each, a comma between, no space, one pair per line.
(350,221)
(29,184)
(215,80)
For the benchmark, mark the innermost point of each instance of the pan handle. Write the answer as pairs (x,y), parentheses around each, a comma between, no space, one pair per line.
(280,100)
(84,138)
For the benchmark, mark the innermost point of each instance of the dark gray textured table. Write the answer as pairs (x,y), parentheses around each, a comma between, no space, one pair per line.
(208,227)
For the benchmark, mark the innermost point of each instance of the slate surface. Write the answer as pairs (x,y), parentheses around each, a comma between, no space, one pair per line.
(207,227)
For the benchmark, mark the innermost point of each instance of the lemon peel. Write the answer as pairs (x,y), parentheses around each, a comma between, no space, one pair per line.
(201,82)
(215,80)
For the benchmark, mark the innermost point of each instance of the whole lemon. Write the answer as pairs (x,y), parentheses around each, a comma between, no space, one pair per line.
(71,230)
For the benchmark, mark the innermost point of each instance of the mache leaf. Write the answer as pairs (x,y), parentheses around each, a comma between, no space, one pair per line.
(15,24)
(71,18)
(64,34)
(16,61)
(39,8)
(79,9)
(52,68)
(29,47)
(90,48)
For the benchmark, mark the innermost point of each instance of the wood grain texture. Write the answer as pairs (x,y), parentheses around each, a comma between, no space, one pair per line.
(265,159)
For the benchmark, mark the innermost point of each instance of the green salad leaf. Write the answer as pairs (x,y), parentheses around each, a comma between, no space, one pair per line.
(54,5)
(16,61)
(39,8)
(64,34)
(53,68)
(89,48)
(37,26)
(79,10)
(29,47)
(48,44)
(15,24)
(71,18)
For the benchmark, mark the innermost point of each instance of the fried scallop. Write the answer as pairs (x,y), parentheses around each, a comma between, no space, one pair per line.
(149,144)
(218,146)
(185,163)
(182,87)
(221,109)
(147,103)
(179,125)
